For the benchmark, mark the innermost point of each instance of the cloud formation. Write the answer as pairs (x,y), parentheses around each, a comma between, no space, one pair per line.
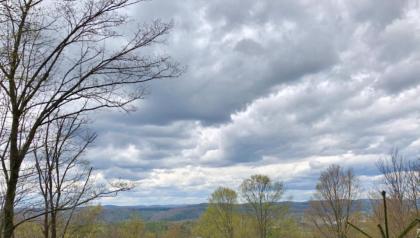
(283,88)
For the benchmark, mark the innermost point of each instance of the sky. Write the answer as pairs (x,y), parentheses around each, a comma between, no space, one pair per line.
(281,88)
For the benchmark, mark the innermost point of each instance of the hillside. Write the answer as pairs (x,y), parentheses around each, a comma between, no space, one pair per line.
(113,214)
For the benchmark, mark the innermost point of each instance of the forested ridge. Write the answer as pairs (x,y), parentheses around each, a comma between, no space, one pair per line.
(256,209)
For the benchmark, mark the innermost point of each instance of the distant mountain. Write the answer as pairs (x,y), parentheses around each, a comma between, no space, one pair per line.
(111,214)
(153,213)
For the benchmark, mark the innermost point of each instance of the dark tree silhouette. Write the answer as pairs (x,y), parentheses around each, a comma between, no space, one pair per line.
(72,57)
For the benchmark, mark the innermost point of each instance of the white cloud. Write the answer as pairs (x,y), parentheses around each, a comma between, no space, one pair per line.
(283,88)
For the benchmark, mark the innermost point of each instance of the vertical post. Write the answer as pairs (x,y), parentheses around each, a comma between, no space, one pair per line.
(385,214)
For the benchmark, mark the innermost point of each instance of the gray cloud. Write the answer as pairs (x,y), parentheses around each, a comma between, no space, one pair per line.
(277,87)
(217,61)
(401,76)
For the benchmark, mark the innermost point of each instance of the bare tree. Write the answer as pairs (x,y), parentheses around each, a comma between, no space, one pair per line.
(262,195)
(384,227)
(72,56)
(401,180)
(414,185)
(61,173)
(24,187)
(4,146)
(334,202)
(64,177)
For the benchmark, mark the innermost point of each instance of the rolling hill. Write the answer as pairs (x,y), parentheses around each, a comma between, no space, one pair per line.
(111,214)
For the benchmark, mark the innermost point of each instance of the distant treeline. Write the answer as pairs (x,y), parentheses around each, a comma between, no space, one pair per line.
(255,210)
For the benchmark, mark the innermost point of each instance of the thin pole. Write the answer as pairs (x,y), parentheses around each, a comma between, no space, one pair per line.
(386,214)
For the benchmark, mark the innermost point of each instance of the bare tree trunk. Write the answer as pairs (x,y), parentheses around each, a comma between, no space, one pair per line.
(46,223)
(53,225)
(12,181)
(9,203)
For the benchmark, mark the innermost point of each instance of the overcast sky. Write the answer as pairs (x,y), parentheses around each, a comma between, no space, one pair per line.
(282,88)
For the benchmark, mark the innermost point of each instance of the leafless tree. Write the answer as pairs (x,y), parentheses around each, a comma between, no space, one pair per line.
(334,202)
(414,184)
(71,56)
(3,147)
(24,187)
(64,177)
(262,195)
(401,180)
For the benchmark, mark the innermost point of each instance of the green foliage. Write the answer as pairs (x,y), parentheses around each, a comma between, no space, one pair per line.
(86,224)
(244,226)
(178,230)
(222,214)
(222,205)
(132,228)
(287,227)
(158,228)
(29,230)
(262,195)
(205,227)
(244,221)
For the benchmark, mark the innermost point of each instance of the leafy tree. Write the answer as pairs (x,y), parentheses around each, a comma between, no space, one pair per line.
(222,203)
(177,230)
(262,195)
(244,226)
(205,227)
(157,228)
(29,230)
(287,226)
(86,224)
(132,228)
